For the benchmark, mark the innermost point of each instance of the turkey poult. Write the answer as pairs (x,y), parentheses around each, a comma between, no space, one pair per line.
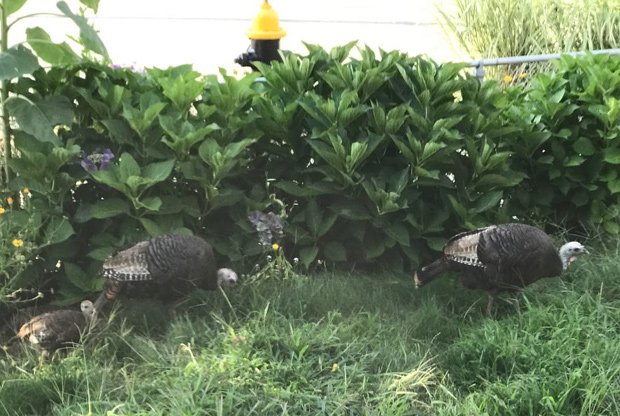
(53,330)
(501,258)
(167,266)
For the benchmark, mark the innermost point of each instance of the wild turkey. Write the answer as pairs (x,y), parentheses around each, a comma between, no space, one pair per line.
(501,258)
(167,266)
(53,330)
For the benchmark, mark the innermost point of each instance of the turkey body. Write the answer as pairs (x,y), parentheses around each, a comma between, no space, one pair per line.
(167,267)
(498,258)
(53,330)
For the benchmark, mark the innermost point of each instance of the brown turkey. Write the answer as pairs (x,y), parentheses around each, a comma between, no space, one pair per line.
(501,258)
(167,267)
(53,330)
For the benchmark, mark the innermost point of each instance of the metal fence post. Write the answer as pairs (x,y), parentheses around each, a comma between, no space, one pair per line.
(479,64)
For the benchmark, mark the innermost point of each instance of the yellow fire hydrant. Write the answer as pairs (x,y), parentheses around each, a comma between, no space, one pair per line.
(265,34)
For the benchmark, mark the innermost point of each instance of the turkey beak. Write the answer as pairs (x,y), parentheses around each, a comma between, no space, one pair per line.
(230,281)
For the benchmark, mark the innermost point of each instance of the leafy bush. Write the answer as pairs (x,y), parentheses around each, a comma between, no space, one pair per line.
(119,156)
(571,158)
(372,162)
(379,155)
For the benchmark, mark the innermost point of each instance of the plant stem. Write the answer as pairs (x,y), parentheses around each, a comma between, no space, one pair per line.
(26,16)
(4,95)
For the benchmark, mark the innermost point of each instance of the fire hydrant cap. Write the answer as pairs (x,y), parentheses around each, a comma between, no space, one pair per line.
(266,24)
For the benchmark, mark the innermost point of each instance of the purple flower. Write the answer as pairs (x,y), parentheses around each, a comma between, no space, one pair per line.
(97,160)
(106,157)
(87,164)
(134,67)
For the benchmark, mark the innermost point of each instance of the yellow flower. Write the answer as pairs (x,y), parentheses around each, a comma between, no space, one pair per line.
(507,78)
(275,246)
(334,367)
(2,210)
(26,191)
(10,200)
(522,75)
(18,243)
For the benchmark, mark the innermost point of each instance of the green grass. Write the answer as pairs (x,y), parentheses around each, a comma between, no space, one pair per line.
(342,345)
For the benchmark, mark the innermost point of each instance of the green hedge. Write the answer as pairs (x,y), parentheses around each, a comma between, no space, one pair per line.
(374,161)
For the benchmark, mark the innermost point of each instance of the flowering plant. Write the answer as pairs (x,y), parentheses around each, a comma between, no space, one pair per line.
(98,160)
(270,229)
(19,227)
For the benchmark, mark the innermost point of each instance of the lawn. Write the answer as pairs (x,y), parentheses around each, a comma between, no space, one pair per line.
(340,344)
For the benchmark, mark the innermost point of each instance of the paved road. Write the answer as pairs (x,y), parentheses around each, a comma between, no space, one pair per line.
(210,34)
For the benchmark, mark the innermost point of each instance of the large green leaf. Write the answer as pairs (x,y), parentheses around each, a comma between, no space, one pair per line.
(128,167)
(158,171)
(294,189)
(17,61)
(335,251)
(350,209)
(398,232)
(101,253)
(91,4)
(208,151)
(58,230)
(226,198)
(308,254)
(614,186)
(11,6)
(488,201)
(584,146)
(327,153)
(612,155)
(102,209)
(358,153)
(313,217)
(59,54)
(183,134)
(151,203)
(151,227)
(182,90)
(492,181)
(110,178)
(234,149)
(374,247)
(88,36)
(57,108)
(142,118)
(78,277)
(32,119)
(137,183)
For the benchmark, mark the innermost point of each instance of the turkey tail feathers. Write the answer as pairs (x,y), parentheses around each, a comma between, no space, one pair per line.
(129,265)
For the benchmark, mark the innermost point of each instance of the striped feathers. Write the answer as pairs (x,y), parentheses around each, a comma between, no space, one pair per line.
(129,265)
(463,248)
